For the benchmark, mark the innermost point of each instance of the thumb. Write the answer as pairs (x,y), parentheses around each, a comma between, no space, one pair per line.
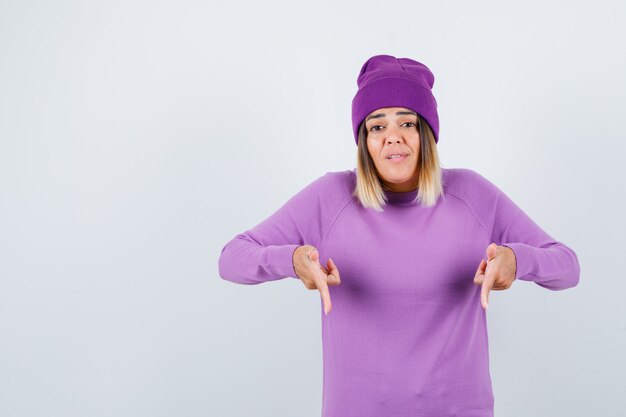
(314,255)
(491,251)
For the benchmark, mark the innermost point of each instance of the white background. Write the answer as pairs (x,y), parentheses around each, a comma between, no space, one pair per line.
(137,138)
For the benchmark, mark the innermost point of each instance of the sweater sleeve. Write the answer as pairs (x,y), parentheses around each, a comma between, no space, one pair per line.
(265,252)
(539,257)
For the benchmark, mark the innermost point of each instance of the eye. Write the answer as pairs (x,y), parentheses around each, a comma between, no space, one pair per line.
(373,128)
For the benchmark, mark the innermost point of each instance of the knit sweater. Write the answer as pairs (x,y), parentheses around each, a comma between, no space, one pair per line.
(407,335)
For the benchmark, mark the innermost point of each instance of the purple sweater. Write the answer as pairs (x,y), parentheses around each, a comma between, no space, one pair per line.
(406,335)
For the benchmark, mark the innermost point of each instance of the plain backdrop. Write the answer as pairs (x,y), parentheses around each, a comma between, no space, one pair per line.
(137,138)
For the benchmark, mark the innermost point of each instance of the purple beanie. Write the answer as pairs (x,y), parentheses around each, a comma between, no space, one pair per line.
(387,81)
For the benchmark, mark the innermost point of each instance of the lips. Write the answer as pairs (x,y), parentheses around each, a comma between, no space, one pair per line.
(397,151)
(398,159)
(395,155)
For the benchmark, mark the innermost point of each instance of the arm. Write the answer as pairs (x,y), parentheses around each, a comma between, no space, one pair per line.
(539,257)
(245,260)
(265,252)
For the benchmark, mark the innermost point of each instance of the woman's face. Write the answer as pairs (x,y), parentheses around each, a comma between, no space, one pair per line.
(392,131)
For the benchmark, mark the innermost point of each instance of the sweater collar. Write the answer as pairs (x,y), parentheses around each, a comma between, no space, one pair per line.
(397,197)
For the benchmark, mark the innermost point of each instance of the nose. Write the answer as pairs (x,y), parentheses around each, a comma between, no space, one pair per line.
(393,135)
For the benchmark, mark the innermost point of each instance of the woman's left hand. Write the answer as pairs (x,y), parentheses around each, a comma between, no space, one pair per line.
(497,273)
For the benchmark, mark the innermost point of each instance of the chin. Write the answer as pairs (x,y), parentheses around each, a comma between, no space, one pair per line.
(397,180)
(395,176)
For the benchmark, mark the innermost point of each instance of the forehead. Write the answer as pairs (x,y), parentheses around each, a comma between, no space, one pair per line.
(389,112)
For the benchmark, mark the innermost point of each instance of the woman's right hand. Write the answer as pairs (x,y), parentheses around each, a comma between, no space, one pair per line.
(313,274)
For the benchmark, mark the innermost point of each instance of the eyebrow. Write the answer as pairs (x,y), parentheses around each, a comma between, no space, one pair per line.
(373,116)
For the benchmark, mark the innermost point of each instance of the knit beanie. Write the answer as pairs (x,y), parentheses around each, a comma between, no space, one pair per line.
(387,81)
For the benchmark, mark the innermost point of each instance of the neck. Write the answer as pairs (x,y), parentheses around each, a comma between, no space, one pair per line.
(400,188)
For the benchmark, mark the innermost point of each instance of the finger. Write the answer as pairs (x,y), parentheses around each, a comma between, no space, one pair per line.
(333,270)
(324,293)
(491,251)
(331,279)
(484,291)
(480,272)
(314,256)
(499,287)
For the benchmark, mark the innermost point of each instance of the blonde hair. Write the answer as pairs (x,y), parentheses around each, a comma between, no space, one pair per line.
(369,190)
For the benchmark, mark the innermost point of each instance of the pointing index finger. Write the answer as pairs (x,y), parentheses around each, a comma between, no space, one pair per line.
(325,294)
(485,288)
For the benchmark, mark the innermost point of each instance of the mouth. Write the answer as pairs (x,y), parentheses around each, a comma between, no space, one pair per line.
(397,157)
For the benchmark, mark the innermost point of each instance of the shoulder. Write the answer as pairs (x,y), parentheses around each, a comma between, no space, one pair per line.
(478,194)
(333,188)
(334,183)
(468,184)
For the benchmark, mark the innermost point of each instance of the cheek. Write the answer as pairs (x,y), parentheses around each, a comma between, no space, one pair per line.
(416,143)
(372,148)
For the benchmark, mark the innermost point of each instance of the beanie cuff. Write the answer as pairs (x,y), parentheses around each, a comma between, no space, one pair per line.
(394,92)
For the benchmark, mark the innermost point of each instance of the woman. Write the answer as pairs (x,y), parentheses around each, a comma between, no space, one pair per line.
(419,248)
